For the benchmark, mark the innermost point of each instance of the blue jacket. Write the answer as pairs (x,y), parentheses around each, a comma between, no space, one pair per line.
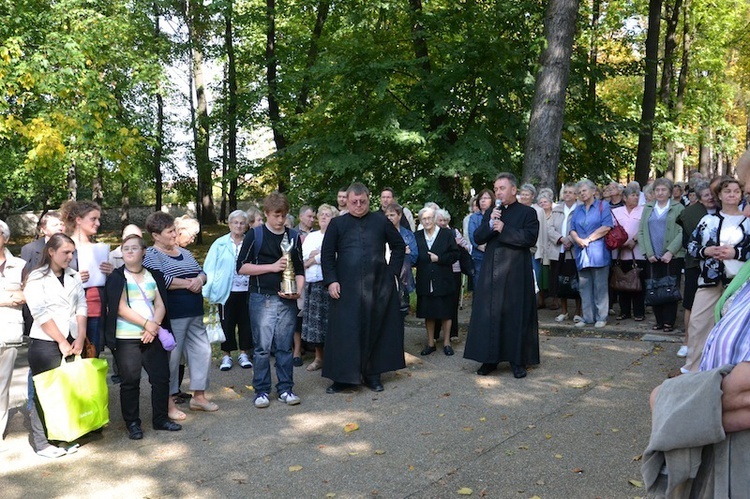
(219,268)
(585,222)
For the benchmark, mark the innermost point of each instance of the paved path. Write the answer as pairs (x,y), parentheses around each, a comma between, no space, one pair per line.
(574,427)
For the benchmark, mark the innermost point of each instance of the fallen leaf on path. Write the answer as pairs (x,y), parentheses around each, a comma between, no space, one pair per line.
(523,447)
(483,493)
(411,467)
(464,491)
(425,433)
(577,470)
(468,428)
(482,419)
(240,481)
(379,452)
(548,436)
(296,467)
(250,388)
(615,430)
(330,494)
(638,457)
(350,427)
(558,456)
(353,453)
(635,483)
(446,394)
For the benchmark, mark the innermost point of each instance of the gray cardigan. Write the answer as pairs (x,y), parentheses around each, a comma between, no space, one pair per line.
(689,455)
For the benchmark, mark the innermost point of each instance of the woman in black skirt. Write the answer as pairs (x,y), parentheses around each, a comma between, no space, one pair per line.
(435,283)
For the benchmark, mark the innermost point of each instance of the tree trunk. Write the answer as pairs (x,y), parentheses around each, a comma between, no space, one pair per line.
(202,158)
(648,105)
(125,203)
(273,103)
(312,55)
(670,45)
(687,41)
(705,153)
(159,145)
(97,193)
(72,181)
(231,166)
(593,51)
(542,151)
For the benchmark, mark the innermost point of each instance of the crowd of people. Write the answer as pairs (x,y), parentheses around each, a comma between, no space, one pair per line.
(344,288)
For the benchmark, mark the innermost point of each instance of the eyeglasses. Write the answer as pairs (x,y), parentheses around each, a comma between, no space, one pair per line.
(360,202)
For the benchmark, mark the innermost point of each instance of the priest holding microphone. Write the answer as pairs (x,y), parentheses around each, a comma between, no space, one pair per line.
(504,325)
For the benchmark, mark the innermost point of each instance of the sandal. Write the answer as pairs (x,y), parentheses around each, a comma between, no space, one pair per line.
(638,319)
(314,365)
(178,415)
(668,328)
(657,327)
(622,317)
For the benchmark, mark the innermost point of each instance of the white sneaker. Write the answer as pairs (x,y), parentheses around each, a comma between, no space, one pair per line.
(226,363)
(244,361)
(683,351)
(577,318)
(600,323)
(562,317)
(51,452)
(580,324)
(289,398)
(261,400)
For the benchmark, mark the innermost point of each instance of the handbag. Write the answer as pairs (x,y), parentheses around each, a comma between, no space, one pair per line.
(567,281)
(661,290)
(89,350)
(74,398)
(213,326)
(627,282)
(616,237)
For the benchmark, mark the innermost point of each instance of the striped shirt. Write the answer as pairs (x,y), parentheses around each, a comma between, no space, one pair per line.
(181,303)
(126,330)
(729,340)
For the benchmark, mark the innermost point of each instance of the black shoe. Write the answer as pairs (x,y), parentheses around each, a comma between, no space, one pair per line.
(182,397)
(134,431)
(428,350)
(486,368)
(518,371)
(374,383)
(167,426)
(448,350)
(297,361)
(337,387)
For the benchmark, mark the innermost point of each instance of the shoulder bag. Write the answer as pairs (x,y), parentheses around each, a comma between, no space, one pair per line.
(567,281)
(616,237)
(661,290)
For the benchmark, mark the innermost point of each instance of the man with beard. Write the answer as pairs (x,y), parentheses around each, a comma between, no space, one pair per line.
(504,325)
(365,328)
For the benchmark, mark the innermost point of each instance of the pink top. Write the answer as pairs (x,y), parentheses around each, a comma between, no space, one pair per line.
(630,222)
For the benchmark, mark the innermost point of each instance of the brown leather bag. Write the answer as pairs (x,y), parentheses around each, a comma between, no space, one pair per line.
(628,282)
(89,350)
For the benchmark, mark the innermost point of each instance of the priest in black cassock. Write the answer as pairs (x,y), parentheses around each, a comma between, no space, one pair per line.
(365,327)
(504,325)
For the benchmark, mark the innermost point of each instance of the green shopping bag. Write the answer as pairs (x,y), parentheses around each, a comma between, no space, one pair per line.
(74,398)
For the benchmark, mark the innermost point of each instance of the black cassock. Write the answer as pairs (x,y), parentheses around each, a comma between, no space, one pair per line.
(504,325)
(365,327)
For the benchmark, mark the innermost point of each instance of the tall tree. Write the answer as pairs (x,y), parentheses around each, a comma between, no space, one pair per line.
(648,104)
(542,151)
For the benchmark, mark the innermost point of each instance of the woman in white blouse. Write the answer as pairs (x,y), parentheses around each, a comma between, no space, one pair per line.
(56,299)
(315,311)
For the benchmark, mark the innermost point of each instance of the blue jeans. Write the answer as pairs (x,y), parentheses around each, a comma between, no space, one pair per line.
(272,320)
(593,285)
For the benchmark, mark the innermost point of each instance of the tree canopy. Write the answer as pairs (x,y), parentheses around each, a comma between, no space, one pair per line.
(430,98)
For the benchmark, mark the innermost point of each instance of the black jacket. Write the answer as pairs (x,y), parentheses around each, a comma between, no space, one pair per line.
(436,278)
(113,290)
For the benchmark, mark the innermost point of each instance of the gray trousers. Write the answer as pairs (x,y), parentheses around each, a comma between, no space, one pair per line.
(7,361)
(593,285)
(192,340)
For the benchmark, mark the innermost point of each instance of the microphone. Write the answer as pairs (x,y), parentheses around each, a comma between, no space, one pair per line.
(498,205)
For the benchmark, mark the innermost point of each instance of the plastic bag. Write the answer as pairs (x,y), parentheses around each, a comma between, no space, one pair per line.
(213,326)
(74,398)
